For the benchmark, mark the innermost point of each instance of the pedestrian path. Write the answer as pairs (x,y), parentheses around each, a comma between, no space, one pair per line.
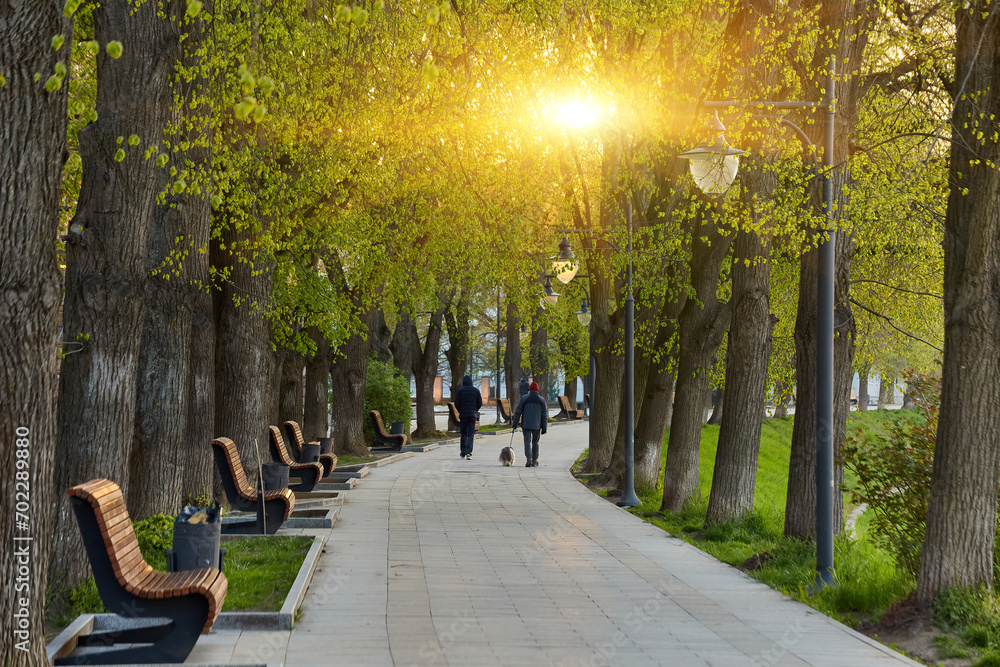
(440,561)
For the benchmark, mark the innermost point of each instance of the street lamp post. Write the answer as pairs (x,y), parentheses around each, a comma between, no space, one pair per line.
(713,181)
(628,497)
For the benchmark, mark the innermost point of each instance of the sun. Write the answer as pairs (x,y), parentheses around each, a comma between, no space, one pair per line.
(577,113)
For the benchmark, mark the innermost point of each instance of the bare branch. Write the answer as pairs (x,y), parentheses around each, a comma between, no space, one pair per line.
(889,322)
(898,289)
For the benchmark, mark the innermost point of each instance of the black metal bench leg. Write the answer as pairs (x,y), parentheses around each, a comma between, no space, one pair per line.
(309,479)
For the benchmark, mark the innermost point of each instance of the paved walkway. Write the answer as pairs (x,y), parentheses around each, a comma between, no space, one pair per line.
(440,561)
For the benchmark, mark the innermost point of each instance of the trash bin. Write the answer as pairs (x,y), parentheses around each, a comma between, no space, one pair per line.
(396,428)
(310,452)
(326,445)
(197,540)
(275,475)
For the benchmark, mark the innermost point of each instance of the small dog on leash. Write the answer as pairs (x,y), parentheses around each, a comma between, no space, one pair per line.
(507,456)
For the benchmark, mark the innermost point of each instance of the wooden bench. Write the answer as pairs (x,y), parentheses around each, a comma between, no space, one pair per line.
(385,441)
(295,440)
(566,411)
(272,507)
(455,421)
(129,587)
(505,412)
(309,473)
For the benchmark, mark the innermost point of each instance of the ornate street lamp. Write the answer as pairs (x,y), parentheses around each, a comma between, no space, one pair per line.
(714,165)
(583,315)
(565,265)
(716,180)
(551,298)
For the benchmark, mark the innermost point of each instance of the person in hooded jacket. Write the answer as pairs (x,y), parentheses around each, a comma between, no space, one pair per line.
(532,414)
(468,400)
(523,387)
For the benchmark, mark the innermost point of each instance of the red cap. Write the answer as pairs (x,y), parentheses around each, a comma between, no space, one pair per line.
(533,386)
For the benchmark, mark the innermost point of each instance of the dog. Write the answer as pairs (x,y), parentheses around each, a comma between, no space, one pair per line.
(507,456)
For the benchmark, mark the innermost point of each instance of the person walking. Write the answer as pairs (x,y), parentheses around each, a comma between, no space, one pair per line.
(523,387)
(468,400)
(532,414)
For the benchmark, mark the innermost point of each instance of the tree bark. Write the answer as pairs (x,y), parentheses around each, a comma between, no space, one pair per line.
(961,512)
(290,392)
(381,339)
(425,368)
(402,353)
(717,410)
(316,414)
(569,391)
(107,248)
(863,388)
(347,389)
(244,397)
(456,317)
(702,324)
(32,153)
(512,354)
(539,356)
(747,355)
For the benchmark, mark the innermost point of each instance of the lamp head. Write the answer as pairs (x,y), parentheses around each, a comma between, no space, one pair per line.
(583,315)
(550,294)
(565,266)
(714,164)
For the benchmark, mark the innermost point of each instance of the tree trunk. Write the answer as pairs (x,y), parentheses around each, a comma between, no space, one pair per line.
(780,400)
(539,357)
(717,410)
(747,357)
(316,414)
(32,153)
(746,379)
(961,512)
(381,339)
(457,320)
(512,355)
(347,389)
(702,324)
(425,368)
(402,353)
(569,389)
(244,397)
(909,400)
(290,393)
(158,462)
(863,388)
(107,248)
(886,391)
(609,365)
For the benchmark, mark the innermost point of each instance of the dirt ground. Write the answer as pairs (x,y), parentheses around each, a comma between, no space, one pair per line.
(906,628)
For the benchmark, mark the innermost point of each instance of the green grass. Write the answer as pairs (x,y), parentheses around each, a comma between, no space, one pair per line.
(355,460)
(494,427)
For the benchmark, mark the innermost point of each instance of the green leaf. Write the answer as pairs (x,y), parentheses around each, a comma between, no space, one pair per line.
(114,49)
(133,140)
(433,15)
(216,201)
(70,7)
(258,113)
(266,85)
(343,14)
(161,161)
(92,47)
(120,155)
(60,70)
(193,8)
(360,16)
(57,42)
(179,186)
(3,81)
(54,83)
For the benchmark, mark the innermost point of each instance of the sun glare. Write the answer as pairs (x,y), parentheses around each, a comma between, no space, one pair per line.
(576,113)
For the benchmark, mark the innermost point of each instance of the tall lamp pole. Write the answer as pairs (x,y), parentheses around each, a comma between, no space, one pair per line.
(713,177)
(629,499)
(499,420)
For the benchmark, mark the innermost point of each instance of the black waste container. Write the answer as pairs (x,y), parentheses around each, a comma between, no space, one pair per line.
(197,540)
(275,476)
(310,452)
(326,445)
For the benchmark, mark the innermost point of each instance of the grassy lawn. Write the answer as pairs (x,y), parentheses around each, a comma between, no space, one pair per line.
(355,460)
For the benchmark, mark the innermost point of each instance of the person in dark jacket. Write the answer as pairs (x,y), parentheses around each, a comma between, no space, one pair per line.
(532,414)
(468,400)
(523,387)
